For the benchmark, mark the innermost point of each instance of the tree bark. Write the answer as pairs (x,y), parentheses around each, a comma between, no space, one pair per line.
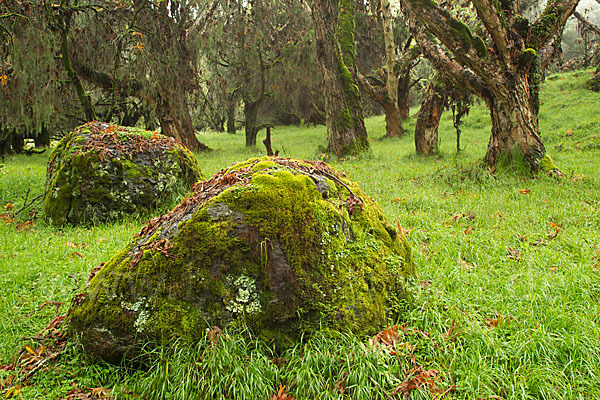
(379,94)
(231,117)
(250,118)
(403,100)
(428,120)
(175,121)
(83,97)
(515,131)
(346,132)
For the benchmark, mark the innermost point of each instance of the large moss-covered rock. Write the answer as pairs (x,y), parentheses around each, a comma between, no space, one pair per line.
(285,246)
(99,172)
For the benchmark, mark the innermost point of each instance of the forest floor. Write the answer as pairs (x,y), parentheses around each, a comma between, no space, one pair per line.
(506,304)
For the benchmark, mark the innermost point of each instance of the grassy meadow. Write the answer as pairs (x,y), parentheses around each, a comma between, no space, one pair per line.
(506,304)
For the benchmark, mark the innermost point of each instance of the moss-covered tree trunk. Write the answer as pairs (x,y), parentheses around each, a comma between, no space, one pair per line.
(84,98)
(428,121)
(334,27)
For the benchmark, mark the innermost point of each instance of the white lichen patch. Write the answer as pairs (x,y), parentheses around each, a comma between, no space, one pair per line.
(140,308)
(246,297)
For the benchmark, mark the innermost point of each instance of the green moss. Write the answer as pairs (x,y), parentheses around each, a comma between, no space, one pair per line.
(547,164)
(480,46)
(346,26)
(100,172)
(281,254)
(263,165)
(461,33)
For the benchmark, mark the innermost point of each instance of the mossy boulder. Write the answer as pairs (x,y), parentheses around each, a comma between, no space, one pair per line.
(282,246)
(100,172)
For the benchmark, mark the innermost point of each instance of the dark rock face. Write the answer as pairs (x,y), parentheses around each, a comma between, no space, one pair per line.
(99,172)
(283,246)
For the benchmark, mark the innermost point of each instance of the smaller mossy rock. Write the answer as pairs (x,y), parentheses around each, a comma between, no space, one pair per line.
(100,172)
(283,246)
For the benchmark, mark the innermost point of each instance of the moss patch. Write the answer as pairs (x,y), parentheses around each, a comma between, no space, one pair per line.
(99,172)
(285,248)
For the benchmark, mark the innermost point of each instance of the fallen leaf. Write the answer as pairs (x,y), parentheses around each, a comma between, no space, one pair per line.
(282,394)
(569,132)
(525,191)
(499,215)
(498,320)
(214,334)
(513,254)
(468,231)
(466,265)
(9,206)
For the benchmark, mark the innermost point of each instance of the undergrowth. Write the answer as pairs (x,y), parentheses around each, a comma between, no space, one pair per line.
(506,305)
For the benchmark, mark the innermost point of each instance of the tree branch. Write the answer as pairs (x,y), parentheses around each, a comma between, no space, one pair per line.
(587,24)
(488,14)
(551,21)
(452,70)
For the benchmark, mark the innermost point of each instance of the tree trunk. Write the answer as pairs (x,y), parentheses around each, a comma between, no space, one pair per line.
(379,94)
(428,121)
(4,142)
(403,100)
(250,118)
(175,121)
(515,131)
(83,97)
(42,139)
(231,117)
(346,132)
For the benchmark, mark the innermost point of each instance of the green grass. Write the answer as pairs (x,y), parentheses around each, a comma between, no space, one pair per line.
(483,244)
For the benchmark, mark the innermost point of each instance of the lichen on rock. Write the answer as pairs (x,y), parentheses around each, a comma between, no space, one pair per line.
(283,246)
(100,172)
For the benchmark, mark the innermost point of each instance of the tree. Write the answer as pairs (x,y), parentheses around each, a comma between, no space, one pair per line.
(501,63)
(33,85)
(334,24)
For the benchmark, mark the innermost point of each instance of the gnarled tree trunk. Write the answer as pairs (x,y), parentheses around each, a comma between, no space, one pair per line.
(515,130)
(428,121)
(334,27)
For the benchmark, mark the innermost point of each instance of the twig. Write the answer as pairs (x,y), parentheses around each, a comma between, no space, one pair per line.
(31,202)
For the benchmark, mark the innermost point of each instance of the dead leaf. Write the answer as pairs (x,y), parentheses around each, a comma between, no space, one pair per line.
(282,394)
(9,206)
(499,215)
(497,321)
(417,378)
(468,231)
(466,265)
(525,191)
(569,132)
(214,334)
(513,254)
